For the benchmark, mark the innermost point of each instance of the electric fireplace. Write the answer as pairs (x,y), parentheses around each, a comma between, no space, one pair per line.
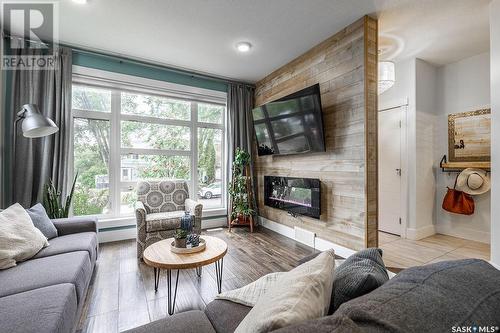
(297,196)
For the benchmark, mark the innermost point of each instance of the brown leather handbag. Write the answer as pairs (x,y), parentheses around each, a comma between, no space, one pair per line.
(458,202)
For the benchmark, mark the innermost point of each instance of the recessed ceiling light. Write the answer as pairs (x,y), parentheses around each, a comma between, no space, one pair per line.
(243,46)
(80,2)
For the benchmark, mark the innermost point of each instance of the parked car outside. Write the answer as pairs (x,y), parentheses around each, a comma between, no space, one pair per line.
(210,191)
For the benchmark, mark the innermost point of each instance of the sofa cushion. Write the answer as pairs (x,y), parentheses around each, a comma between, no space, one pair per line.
(225,316)
(85,241)
(50,309)
(42,221)
(186,322)
(359,274)
(19,238)
(163,221)
(72,267)
(75,225)
(300,294)
(431,298)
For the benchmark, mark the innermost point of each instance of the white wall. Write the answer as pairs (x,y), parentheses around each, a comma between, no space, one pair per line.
(432,93)
(495,129)
(403,93)
(416,85)
(462,86)
(425,122)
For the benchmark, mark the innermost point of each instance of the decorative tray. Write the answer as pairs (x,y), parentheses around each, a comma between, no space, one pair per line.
(186,250)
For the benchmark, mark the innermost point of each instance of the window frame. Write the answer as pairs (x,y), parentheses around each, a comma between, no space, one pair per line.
(118,83)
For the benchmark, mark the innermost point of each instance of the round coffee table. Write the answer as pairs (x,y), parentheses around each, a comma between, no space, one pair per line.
(159,256)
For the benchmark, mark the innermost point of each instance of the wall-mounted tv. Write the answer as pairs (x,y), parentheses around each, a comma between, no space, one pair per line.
(290,125)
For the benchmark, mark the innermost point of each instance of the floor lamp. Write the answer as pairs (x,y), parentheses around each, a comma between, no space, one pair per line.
(34,125)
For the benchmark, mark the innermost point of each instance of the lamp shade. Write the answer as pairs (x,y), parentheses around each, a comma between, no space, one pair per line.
(35,125)
(386,76)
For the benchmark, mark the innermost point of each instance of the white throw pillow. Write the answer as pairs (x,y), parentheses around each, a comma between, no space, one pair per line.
(301,294)
(19,238)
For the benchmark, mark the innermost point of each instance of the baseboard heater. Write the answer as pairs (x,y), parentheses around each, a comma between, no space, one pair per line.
(304,236)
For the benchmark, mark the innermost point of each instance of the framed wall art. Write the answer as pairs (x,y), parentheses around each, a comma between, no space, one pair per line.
(469,136)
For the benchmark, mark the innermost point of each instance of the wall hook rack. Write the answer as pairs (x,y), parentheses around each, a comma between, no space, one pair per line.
(459,166)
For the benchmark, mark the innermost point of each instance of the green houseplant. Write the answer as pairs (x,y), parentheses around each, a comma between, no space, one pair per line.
(239,188)
(53,203)
(180,238)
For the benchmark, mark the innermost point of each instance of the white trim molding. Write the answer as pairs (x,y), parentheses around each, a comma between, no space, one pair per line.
(319,243)
(419,233)
(461,232)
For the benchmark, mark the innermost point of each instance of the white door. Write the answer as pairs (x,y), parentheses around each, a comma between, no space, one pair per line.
(389,170)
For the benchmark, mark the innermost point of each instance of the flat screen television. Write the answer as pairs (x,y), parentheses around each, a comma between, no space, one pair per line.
(290,125)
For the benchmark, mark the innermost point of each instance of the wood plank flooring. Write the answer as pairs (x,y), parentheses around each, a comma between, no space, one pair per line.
(122,296)
(404,253)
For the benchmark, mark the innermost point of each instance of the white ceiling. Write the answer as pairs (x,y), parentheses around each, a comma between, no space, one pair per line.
(200,34)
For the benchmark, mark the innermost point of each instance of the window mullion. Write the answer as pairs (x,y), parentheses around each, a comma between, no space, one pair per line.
(194,150)
(114,163)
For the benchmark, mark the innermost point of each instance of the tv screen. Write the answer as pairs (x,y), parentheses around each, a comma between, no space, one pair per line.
(290,125)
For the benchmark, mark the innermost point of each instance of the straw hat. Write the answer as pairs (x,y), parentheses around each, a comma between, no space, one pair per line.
(473,181)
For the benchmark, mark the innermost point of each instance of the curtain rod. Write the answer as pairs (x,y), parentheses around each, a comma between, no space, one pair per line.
(140,61)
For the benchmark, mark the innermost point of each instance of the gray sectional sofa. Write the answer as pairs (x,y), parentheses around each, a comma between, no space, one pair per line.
(47,292)
(432,298)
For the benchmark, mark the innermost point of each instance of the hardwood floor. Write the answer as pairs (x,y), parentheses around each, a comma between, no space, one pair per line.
(403,253)
(121,295)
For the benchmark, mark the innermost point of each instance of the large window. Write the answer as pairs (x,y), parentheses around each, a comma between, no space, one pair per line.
(122,135)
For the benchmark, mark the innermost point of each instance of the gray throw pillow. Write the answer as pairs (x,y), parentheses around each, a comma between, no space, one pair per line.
(42,221)
(359,274)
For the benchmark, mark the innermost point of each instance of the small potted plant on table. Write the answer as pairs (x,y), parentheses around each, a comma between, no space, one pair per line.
(180,238)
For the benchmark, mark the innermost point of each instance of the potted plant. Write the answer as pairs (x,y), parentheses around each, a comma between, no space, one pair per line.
(180,237)
(238,188)
(53,203)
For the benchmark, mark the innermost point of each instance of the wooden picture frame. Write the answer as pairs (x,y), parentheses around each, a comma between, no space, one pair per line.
(469,136)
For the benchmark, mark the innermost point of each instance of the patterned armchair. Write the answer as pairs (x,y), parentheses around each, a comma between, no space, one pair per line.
(159,208)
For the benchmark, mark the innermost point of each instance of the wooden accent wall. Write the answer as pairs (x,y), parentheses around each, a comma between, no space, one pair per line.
(345,66)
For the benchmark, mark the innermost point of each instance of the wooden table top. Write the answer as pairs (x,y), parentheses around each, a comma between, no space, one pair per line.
(159,254)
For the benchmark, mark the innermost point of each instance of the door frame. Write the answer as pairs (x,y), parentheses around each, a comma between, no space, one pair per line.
(404,199)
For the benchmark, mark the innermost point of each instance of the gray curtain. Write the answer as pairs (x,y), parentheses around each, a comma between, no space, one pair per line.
(38,160)
(240,128)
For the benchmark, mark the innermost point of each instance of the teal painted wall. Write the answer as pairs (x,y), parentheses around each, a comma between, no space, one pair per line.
(107,63)
(135,68)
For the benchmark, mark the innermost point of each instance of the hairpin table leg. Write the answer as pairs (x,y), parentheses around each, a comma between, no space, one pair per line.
(157,277)
(218,272)
(170,300)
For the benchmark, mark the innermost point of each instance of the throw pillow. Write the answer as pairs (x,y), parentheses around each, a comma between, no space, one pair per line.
(19,239)
(359,274)
(301,294)
(42,221)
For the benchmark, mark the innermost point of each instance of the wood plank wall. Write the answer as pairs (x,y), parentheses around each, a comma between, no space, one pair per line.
(345,66)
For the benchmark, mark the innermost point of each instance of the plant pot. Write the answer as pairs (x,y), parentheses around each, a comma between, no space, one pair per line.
(243,219)
(180,242)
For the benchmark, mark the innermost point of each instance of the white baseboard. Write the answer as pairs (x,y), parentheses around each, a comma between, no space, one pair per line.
(106,236)
(213,223)
(319,243)
(465,233)
(419,233)
(494,265)
(114,234)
